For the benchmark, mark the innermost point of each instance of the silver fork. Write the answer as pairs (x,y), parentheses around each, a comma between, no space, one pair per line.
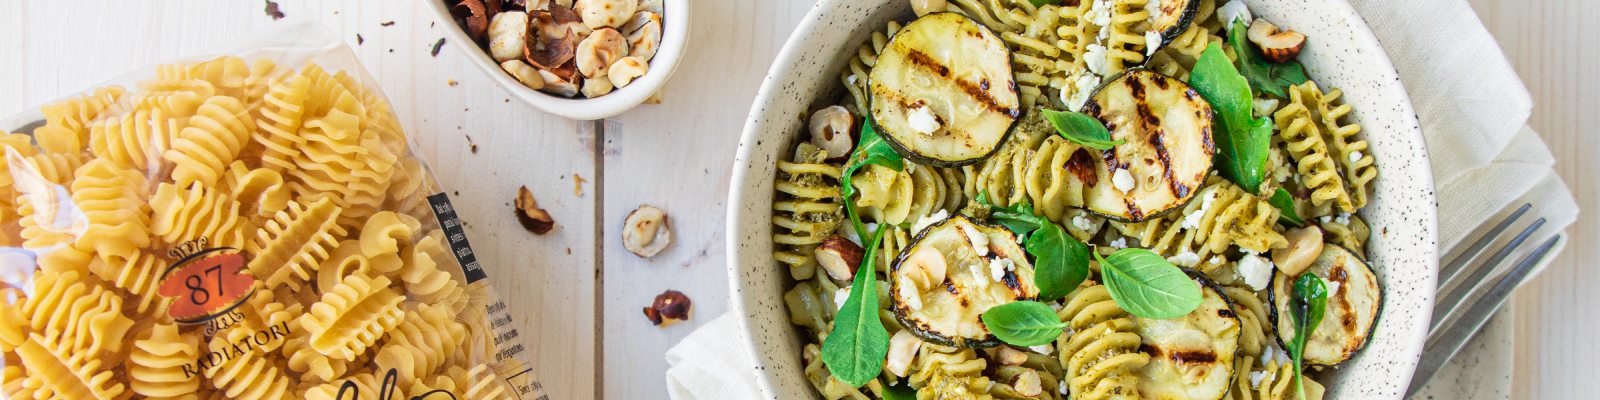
(1453,324)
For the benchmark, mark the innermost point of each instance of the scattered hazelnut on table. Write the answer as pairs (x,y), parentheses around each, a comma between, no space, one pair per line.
(645,232)
(669,307)
(533,218)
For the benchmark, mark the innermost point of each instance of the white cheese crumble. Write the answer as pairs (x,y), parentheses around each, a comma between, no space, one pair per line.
(1187,259)
(1192,220)
(925,221)
(1082,87)
(1341,219)
(1121,243)
(1333,288)
(976,269)
(1255,378)
(851,79)
(1082,223)
(839,297)
(1123,181)
(1154,8)
(1152,42)
(1215,260)
(922,120)
(1261,107)
(1355,156)
(998,268)
(1044,349)
(1099,13)
(1095,58)
(1234,10)
(1257,271)
(980,242)
(1062,389)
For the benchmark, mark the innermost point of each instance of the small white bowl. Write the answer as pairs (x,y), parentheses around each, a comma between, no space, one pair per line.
(1342,52)
(674,35)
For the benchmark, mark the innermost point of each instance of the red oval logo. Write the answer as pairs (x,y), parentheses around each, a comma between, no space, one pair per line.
(205,285)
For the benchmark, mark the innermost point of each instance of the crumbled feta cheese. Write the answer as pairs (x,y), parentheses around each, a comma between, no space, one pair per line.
(1266,354)
(1257,271)
(1044,349)
(980,242)
(1062,388)
(1216,260)
(922,120)
(1255,378)
(1234,10)
(1192,220)
(1121,243)
(1333,288)
(998,268)
(923,222)
(1082,87)
(1154,8)
(1099,13)
(1082,222)
(840,296)
(1056,306)
(1094,57)
(851,79)
(1261,107)
(1152,42)
(1187,259)
(1122,180)
(1105,33)
(1355,156)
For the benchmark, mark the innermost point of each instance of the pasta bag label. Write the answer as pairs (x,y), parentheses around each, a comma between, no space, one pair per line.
(456,236)
(206,284)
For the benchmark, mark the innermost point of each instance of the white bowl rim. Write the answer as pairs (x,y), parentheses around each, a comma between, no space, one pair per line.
(674,39)
(791,49)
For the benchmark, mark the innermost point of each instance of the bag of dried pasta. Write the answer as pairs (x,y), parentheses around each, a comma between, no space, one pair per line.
(248,224)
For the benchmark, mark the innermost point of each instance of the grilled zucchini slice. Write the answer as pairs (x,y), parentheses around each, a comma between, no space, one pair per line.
(1191,357)
(1354,299)
(947,73)
(1168,148)
(951,273)
(1174,18)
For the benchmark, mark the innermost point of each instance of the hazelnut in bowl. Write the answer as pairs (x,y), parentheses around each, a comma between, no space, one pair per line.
(580,59)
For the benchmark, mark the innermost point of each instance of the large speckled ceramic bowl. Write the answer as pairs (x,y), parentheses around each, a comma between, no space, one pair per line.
(1342,53)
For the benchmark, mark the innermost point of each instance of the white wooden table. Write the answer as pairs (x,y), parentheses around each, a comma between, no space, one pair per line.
(1555,46)
(577,293)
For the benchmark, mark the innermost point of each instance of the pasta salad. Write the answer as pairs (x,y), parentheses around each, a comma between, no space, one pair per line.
(1077,199)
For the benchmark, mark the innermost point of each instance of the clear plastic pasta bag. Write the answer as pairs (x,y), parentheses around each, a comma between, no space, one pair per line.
(247,224)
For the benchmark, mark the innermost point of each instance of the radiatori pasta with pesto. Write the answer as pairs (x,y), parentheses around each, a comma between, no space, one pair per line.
(958,123)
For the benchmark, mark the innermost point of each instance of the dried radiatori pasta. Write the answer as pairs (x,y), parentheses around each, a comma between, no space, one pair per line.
(157,362)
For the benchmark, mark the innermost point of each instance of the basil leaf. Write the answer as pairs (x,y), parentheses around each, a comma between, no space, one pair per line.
(1081,128)
(1023,323)
(1143,283)
(1060,264)
(872,149)
(855,349)
(1243,141)
(1265,76)
(1306,306)
(1285,203)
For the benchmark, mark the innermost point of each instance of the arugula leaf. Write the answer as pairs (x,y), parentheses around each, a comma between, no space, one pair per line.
(1061,262)
(855,349)
(1146,285)
(1024,323)
(1265,76)
(1306,306)
(872,149)
(1285,203)
(1081,128)
(1243,141)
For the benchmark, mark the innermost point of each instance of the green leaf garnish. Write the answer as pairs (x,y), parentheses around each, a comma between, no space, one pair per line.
(1081,128)
(1285,203)
(899,391)
(1243,141)
(1023,323)
(1146,285)
(1061,262)
(1306,306)
(1042,3)
(855,349)
(1265,76)
(872,149)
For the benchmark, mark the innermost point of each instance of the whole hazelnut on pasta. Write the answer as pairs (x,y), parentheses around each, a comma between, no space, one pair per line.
(603,13)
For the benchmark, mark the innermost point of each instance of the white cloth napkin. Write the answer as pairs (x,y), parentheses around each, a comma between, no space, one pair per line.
(1486,161)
